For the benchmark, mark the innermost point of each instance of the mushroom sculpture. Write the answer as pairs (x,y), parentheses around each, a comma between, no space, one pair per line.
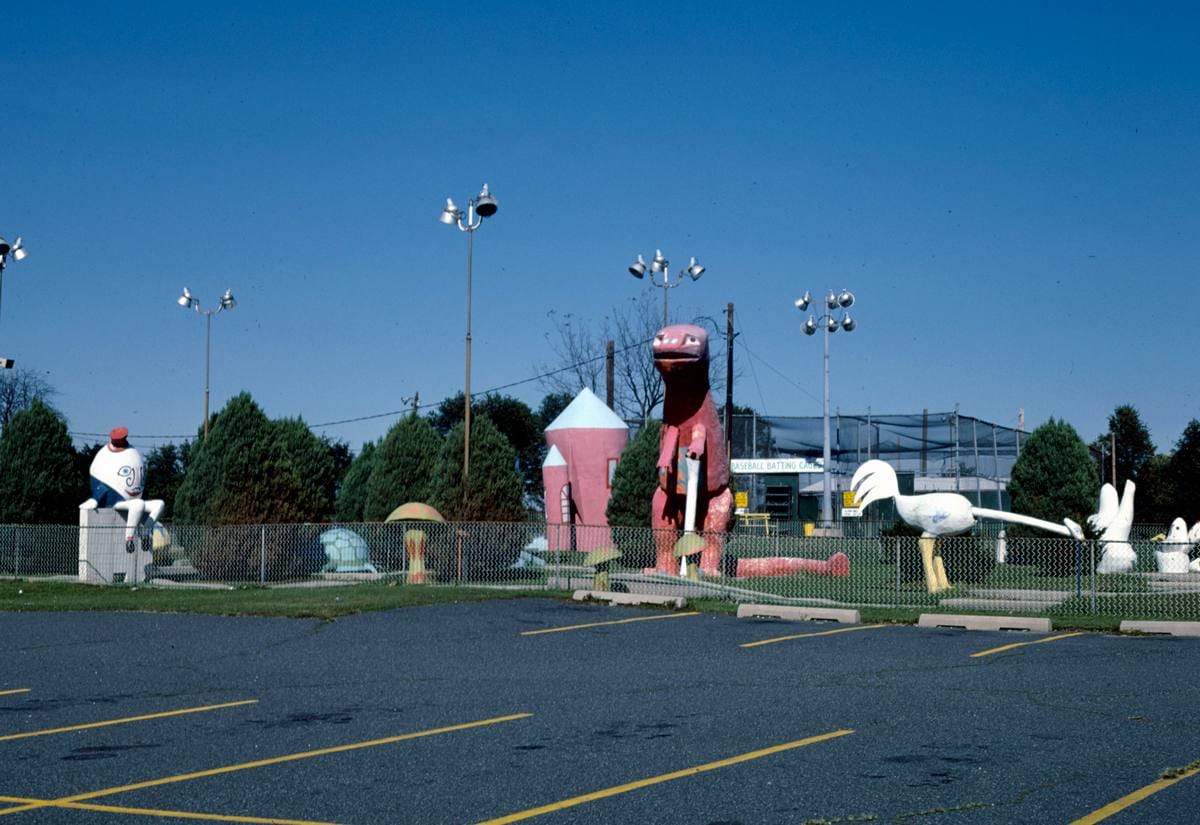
(603,559)
(415,538)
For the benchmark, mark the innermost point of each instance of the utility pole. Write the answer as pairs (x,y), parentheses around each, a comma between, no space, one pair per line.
(609,368)
(416,403)
(729,381)
(1113,452)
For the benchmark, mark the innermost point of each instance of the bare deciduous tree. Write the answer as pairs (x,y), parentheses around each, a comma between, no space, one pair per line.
(18,389)
(638,389)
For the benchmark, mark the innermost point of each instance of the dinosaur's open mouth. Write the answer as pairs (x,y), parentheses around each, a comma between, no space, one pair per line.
(676,356)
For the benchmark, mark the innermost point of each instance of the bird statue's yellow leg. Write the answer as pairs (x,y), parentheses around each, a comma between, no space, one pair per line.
(939,570)
(928,547)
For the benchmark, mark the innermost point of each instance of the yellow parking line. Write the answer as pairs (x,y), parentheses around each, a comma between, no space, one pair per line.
(117,809)
(14,690)
(1003,648)
(810,635)
(275,760)
(125,720)
(602,624)
(665,777)
(1133,798)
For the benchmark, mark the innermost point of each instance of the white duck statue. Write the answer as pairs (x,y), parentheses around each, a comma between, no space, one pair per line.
(938,514)
(1172,557)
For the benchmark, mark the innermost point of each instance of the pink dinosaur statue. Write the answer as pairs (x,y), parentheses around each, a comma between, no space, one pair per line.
(691,430)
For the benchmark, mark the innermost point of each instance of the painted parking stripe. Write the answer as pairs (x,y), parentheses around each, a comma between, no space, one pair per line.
(810,635)
(14,690)
(126,720)
(603,624)
(664,777)
(1015,645)
(275,760)
(1126,801)
(157,812)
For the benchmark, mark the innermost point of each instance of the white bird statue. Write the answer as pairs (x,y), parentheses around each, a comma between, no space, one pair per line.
(1173,557)
(938,514)
(1117,555)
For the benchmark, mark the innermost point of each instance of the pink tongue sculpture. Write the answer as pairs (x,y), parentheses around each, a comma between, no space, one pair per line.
(836,565)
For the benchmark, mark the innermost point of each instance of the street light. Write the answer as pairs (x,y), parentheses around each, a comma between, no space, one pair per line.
(833,302)
(17,250)
(662,266)
(188,301)
(479,207)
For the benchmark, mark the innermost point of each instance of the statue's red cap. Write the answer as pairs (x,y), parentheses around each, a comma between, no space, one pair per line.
(119,437)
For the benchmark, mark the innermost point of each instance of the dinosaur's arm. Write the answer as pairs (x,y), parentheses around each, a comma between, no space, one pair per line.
(666,456)
(696,448)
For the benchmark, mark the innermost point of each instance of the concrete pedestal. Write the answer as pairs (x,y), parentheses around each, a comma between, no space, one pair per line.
(102,555)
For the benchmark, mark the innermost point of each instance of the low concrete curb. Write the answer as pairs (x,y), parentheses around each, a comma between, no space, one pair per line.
(1032,625)
(797,614)
(1162,628)
(627,598)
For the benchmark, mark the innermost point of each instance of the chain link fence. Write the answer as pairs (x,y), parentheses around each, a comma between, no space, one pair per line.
(986,572)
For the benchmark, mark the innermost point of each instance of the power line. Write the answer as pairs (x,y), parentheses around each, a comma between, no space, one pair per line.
(394,413)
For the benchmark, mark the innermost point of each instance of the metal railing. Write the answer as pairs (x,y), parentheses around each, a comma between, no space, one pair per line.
(1044,576)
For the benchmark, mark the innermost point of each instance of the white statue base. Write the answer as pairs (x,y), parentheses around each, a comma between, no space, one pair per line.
(103,558)
(1118,557)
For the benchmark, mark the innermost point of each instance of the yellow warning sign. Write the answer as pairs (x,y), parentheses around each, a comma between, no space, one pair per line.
(741,499)
(849,498)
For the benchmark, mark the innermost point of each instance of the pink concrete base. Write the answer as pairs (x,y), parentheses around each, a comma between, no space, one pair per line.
(836,565)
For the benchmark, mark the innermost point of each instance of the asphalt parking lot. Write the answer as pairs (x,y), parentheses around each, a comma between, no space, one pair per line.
(471,713)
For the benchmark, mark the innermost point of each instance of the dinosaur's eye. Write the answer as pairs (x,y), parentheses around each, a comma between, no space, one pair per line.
(692,339)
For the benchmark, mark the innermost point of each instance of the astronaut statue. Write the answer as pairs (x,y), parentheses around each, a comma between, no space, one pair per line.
(117,476)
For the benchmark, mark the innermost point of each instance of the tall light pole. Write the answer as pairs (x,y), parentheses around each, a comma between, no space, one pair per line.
(188,302)
(833,302)
(479,207)
(661,265)
(17,250)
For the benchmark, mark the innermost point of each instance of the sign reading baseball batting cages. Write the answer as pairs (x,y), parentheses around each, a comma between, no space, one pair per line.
(751,466)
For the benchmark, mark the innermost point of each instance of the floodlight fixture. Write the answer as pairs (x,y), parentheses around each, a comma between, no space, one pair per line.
(187,301)
(451,214)
(485,204)
(848,323)
(846,299)
(660,265)
(803,301)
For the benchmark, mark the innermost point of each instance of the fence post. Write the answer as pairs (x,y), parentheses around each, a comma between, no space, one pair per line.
(896,595)
(262,555)
(1092,568)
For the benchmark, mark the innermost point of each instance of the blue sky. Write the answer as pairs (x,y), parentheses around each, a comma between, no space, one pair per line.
(1012,193)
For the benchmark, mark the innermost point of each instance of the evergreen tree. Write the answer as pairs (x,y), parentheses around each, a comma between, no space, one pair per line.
(352,493)
(1054,477)
(165,469)
(251,470)
(38,481)
(403,467)
(1183,475)
(552,405)
(635,480)
(1134,447)
(494,490)
(1155,496)
(511,417)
